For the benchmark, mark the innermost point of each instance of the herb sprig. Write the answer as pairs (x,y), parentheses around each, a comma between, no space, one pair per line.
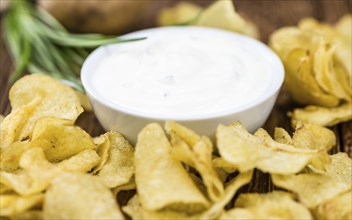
(39,43)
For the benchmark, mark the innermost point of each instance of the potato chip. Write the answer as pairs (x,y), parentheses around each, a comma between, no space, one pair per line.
(340,167)
(103,146)
(125,187)
(28,215)
(12,204)
(83,161)
(91,200)
(38,173)
(84,101)
(322,116)
(182,12)
(59,139)
(119,167)
(298,66)
(219,162)
(198,156)
(245,152)
(312,189)
(13,124)
(10,156)
(157,169)
(282,136)
(136,211)
(340,207)
(220,14)
(273,205)
(312,136)
(186,134)
(232,187)
(237,214)
(58,100)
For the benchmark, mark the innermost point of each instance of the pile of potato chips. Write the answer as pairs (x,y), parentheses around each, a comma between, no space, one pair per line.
(220,14)
(318,62)
(52,169)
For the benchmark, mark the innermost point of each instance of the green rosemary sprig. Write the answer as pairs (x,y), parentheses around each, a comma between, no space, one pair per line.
(39,43)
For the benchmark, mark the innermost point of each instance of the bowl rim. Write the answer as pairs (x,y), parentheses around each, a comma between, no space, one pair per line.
(271,90)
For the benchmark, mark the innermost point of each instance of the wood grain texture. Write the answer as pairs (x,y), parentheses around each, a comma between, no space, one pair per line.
(268,15)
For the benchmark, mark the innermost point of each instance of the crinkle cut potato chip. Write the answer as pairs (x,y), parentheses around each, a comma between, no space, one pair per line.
(80,196)
(58,100)
(119,167)
(12,204)
(338,208)
(245,152)
(59,139)
(322,116)
(220,14)
(312,189)
(158,174)
(273,205)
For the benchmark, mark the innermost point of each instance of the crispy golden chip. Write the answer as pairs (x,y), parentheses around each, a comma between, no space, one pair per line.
(157,169)
(125,187)
(237,214)
(222,14)
(282,136)
(219,162)
(322,116)
(59,101)
(12,124)
(119,167)
(232,187)
(28,215)
(9,158)
(340,168)
(340,207)
(136,211)
(245,152)
(273,205)
(79,196)
(186,134)
(84,101)
(38,173)
(103,147)
(83,161)
(319,159)
(312,136)
(198,156)
(59,139)
(182,12)
(1,118)
(312,189)
(298,66)
(12,204)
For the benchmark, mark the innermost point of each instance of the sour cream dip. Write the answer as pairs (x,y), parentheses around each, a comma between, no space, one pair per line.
(199,77)
(174,73)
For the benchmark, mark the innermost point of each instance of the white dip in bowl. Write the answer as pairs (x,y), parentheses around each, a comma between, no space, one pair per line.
(197,76)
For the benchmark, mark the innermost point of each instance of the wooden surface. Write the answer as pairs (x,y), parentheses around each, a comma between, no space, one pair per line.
(268,15)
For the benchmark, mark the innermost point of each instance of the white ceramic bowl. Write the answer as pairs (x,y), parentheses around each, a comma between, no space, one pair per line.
(129,123)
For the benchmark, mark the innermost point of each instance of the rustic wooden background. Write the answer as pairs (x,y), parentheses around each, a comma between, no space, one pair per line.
(268,15)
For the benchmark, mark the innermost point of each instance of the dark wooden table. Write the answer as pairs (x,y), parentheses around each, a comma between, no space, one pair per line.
(268,15)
